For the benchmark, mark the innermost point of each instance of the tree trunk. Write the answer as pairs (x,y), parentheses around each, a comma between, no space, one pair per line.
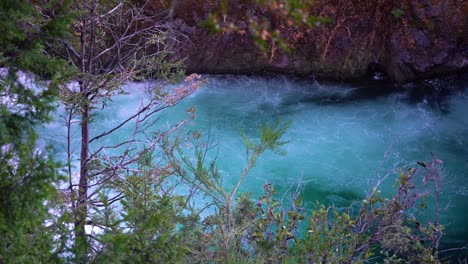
(81,245)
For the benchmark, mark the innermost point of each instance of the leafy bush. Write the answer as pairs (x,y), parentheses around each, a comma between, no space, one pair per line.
(158,224)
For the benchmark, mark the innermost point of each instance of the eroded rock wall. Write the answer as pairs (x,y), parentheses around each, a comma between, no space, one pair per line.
(406,40)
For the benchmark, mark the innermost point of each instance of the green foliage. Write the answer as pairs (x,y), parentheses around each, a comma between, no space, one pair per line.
(225,231)
(382,228)
(268,231)
(329,238)
(146,227)
(275,230)
(398,13)
(26,182)
(27,174)
(270,139)
(25,36)
(211,24)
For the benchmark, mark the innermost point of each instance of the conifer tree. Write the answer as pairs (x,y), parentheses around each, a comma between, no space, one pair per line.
(27,172)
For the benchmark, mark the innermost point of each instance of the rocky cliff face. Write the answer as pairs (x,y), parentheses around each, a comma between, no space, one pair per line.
(405,40)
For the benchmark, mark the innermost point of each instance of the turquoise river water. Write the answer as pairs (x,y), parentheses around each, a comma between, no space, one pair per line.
(342,136)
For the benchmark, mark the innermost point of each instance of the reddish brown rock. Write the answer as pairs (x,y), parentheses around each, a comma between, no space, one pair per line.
(427,37)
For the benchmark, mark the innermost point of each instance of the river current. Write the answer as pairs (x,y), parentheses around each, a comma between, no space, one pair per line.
(342,135)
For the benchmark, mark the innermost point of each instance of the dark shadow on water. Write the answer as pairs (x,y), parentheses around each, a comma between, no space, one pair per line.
(433,92)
